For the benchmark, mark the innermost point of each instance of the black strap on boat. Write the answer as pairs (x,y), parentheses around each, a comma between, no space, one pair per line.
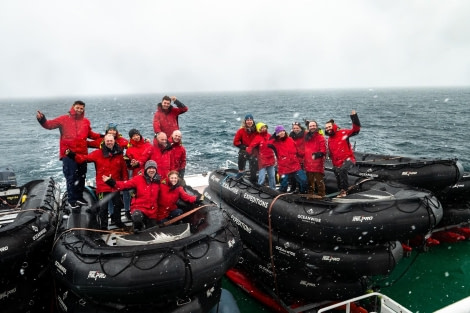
(271,256)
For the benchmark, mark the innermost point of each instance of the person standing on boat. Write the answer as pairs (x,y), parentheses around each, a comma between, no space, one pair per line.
(340,150)
(165,118)
(243,137)
(74,131)
(266,160)
(314,160)
(144,205)
(111,128)
(287,161)
(162,154)
(170,192)
(109,160)
(297,133)
(178,154)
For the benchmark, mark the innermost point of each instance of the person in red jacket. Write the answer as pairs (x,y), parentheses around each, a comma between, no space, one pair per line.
(266,160)
(161,154)
(178,154)
(340,150)
(165,118)
(314,160)
(144,205)
(74,131)
(297,133)
(109,160)
(287,161)
(111,128)
(170,192)
(242,139)
(138,152)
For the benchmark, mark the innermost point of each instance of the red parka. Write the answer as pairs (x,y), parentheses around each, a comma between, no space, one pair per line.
(167,121)
(162,155)
(314,144)
(286,153)
(339,146)
(107,162)
(168,197)
(244,137)
(74,131)
(141,151)
(299,143)
(265,154)
(146,195)
(178,156)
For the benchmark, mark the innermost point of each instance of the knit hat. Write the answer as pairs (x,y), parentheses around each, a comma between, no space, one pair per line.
(259,125)
(278,129)
(133,132)
(248,116)
(111,126)
(150,163)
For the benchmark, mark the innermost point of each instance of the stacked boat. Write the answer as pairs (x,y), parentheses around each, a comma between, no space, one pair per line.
(446,178)
(312,250)
(28,219)
(176,268)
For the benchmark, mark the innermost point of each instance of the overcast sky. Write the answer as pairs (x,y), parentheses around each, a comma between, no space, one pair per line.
(102,47)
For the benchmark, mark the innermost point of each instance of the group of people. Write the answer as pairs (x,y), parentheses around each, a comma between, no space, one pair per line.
(300,156)
(149,175)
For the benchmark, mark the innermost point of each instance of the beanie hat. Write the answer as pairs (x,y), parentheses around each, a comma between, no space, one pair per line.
(278,129)
(111,126)
(259,125)
(150,163)
(248,116)
(133,132)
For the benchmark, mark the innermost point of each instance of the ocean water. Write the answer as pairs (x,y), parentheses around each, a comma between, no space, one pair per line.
(426,122)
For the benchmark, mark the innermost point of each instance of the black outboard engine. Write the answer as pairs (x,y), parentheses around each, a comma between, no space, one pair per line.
(9,193)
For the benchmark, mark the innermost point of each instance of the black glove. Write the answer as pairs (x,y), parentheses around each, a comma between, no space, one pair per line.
(110,182)
(42,120)
(70,154)
(242,147)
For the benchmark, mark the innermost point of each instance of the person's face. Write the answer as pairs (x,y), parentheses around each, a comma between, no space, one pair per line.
(312,127)
(166,104)
(263,129)
(162,140)
(296,129)
(176,137)
(136,137)
(282,134)
(173,179)
(249,122)
(79,109)
(109,141)
(112,132)
(151,171)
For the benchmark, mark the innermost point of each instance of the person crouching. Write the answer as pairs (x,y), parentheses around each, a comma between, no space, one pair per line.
(144,204)
(170,192)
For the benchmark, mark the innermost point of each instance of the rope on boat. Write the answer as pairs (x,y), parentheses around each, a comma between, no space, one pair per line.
(271,256)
